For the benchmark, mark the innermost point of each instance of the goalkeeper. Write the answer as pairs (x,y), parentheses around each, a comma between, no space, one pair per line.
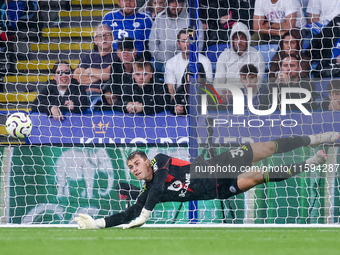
(169,179)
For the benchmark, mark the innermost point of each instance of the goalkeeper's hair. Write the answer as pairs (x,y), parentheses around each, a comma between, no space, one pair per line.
(135,154)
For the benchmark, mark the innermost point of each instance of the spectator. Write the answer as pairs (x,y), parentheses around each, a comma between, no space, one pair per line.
(219,16)
(164,32)
(332,69)
(175,67)
(95,68)
(273,18)
(323,13)
(127,22)
(290,76)
(333,102)
(62,94)
(122,72)
(290,44)
(246,12)
(322,44)
(153,7)
(145,95)
(248,79)
(180,102)
(240,53)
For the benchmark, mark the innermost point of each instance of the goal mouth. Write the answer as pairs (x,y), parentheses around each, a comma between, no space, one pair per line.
(98,82)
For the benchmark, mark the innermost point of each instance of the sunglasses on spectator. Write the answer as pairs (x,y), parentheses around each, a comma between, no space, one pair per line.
(103,35)
(67,72)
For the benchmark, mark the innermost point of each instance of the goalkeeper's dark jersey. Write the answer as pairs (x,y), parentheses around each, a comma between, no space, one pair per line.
(172,182)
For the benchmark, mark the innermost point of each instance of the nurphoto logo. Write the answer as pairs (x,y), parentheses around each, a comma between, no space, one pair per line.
(239,98)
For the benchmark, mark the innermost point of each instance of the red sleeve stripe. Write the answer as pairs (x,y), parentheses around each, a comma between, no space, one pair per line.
(179,162)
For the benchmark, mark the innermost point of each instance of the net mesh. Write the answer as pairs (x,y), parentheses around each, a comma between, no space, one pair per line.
(77,163)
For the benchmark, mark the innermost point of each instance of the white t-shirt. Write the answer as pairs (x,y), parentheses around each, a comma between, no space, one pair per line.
(175,68)
(326,9)
(62,92)
(277,13)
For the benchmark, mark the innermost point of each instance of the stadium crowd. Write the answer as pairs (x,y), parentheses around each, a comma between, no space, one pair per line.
(140,64)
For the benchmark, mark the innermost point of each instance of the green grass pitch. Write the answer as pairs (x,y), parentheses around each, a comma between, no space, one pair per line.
(174,241)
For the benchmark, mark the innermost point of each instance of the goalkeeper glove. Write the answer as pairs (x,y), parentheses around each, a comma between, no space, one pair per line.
(85,221)
(143,217)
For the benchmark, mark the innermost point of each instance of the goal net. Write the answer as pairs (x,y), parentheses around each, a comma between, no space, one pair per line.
(74,161)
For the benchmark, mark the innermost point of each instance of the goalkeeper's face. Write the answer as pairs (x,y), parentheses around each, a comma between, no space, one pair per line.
(140,168)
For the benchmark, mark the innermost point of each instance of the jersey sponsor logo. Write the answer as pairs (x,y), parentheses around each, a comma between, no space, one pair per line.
(180,186)
(122,33)
(175,186)
(232,189)
(136,24)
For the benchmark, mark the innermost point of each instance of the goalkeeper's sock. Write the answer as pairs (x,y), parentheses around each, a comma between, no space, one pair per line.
(283,172)
(290,143)
(280,173)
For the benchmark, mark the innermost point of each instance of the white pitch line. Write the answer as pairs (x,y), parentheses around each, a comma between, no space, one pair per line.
(183,226)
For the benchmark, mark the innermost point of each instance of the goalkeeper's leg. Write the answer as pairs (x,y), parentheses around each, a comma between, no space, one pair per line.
(281,145)
(248,180)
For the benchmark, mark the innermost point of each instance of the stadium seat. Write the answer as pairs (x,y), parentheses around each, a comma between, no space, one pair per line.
(268,51)
(305,43)
(336,49)
(214,51)
(321,88)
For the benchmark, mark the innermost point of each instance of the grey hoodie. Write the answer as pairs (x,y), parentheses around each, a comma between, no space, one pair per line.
(229,62)
(163,36)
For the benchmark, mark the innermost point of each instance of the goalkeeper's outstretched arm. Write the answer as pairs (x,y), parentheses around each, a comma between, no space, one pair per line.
(87,222)
(123,217)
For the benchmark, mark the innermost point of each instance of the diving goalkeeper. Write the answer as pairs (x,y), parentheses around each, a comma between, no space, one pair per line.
(168,179)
